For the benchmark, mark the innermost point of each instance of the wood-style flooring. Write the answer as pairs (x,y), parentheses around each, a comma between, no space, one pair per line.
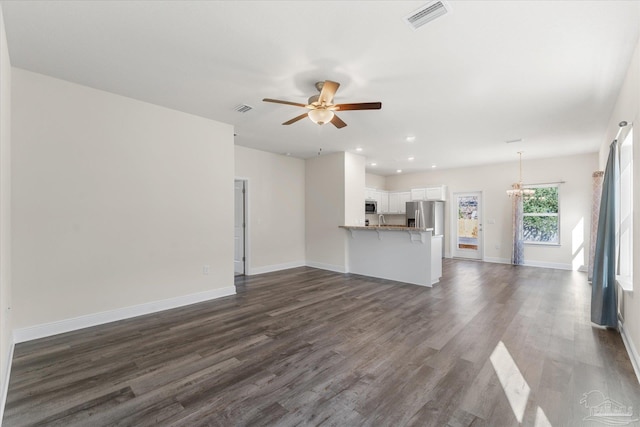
(490,345)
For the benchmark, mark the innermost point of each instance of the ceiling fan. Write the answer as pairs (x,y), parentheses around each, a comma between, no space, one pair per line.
(321,106)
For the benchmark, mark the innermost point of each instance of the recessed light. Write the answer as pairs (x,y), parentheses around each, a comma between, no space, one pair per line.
(399,171)
(411,158)
(433,166)
(374,164)
(411,138)
(287,154)
(359,149)
(513,141)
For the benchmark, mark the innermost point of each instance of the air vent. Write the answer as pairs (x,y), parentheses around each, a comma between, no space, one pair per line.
(427,13)
(243,108)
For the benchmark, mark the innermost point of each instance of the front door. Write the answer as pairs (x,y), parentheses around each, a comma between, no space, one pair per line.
(238,229)
(467,231)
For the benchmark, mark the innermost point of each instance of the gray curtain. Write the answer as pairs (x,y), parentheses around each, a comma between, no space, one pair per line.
(604,304)
(517,252)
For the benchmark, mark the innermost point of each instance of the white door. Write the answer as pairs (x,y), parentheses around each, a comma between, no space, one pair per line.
(238,229)
(467,225)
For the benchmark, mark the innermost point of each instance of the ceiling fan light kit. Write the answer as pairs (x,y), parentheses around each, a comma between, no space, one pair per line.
(321,106)
(321,116)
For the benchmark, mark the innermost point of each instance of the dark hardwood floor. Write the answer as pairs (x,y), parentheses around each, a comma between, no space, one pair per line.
(491,345)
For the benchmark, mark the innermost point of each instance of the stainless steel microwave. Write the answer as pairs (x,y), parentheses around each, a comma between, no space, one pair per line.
(370,206)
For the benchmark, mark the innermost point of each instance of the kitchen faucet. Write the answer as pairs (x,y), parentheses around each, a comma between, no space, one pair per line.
(381,219)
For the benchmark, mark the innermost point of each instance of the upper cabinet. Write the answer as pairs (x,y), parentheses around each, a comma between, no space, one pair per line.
(429,193)
(395,202)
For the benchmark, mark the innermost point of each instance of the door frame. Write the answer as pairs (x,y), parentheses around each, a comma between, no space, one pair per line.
(246,223)
(454,224)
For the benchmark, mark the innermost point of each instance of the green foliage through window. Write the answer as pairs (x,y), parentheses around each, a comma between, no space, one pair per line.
(541,216)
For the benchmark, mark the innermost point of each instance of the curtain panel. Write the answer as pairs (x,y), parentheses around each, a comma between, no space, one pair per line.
(604,304)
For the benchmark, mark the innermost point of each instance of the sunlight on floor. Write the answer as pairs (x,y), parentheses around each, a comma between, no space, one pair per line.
(514,385)
(577,245)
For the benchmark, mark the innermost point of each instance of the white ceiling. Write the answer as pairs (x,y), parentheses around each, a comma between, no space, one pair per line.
(491,71)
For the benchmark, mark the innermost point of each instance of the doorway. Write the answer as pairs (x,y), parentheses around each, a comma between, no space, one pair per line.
(467,232)
(239,228)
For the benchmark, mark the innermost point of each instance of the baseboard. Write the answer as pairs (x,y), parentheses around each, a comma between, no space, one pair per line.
(275,267)
(543,264)
(73,324)
(5,385)
(631,350)
(497,260)
(330,267)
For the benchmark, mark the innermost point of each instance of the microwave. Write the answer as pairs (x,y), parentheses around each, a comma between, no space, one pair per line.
(370,206)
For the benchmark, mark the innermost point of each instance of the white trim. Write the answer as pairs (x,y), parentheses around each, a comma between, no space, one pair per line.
(542,264)
(275,267)
(497,260)
(631,350)
(7,375)
(330,267)
(61,326)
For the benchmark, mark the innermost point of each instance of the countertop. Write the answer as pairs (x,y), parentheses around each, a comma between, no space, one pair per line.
(384,227)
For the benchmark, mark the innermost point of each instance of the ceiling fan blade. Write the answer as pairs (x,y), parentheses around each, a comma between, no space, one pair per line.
(329,89)
(337,122)
(277,101)
(295,119)
(359,106)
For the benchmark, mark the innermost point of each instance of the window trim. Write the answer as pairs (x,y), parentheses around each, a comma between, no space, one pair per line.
(538,214)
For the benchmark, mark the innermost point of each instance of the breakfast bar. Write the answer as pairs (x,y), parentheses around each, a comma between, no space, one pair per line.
(404,254)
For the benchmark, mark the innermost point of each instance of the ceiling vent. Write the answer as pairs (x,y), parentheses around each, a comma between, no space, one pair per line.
(243,108)
(427,13)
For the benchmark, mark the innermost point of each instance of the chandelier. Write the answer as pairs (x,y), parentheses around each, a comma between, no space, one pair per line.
(517,189)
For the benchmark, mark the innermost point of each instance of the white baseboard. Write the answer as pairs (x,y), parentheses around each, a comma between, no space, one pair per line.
(275,267)
(73,324)
(5,385)
(497,260)
(543,264)
(631,350)
(330,267)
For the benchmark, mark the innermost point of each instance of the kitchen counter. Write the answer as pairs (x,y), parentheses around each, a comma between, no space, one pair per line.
(385,227)
(404,254)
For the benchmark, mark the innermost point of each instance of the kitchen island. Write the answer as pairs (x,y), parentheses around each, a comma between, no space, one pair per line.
(404,254)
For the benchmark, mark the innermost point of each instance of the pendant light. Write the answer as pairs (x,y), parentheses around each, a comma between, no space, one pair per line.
(517,189)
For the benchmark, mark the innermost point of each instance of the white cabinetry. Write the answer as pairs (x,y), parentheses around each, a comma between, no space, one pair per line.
(370,193)
(404,196)
(383,201)
(418,194)
(429,193)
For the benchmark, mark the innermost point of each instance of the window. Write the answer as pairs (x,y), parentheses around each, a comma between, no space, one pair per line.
(624,223)
(541,216)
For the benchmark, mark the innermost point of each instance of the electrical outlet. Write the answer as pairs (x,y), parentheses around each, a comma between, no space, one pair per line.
(205,270)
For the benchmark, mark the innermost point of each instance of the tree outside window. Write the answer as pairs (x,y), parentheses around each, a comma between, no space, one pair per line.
(541,222)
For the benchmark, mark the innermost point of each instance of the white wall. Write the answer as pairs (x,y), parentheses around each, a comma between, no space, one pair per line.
(6,321)
(375,181)
(325,211)
(115,202)
(354,166)
(276,211)
(627,109)
(494,180)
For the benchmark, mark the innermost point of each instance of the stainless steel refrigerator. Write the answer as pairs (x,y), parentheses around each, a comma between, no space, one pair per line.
(426,214)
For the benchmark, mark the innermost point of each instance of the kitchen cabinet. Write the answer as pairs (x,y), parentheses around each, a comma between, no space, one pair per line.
(398,201)
(370,193)
(404,196)
(429,193)
(418,194)
(383,201)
